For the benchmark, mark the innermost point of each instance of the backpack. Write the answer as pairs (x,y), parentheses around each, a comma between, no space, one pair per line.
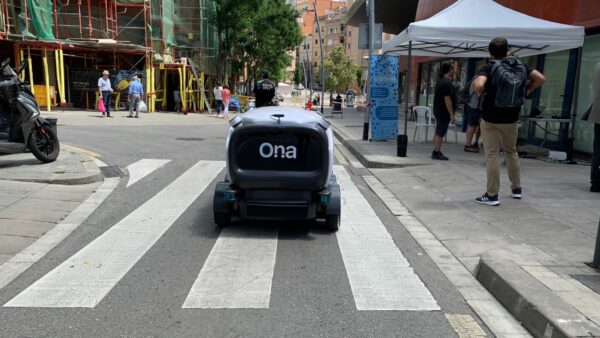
(510,78)
(469,97)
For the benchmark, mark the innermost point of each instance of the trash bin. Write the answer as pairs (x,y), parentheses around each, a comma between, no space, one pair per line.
(337,108)
(53,121)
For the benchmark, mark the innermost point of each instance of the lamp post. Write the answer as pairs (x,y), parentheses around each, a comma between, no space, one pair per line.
(321,47)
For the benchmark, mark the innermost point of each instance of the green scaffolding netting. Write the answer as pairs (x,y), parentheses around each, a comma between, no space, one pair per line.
(40,13)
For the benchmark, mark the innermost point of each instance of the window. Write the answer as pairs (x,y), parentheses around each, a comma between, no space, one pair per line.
(349,46)
(322,40)
(315,63)
(584,131)
(316,54)
(342,40)
(341,28)
(316,41)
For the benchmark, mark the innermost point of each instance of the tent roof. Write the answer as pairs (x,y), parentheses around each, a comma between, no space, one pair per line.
(465,29)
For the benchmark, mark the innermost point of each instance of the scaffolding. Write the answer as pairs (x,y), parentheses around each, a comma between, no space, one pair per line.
(163,32)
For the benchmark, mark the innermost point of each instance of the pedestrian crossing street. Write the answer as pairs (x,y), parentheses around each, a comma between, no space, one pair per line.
(238,272)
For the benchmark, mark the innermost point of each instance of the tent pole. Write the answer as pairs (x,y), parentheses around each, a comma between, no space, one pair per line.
(407,89)
(571,137)
(402,142)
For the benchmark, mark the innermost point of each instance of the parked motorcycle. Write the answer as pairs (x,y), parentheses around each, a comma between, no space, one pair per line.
(21,126)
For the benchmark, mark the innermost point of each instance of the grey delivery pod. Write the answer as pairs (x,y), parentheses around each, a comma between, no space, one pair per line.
(279,167)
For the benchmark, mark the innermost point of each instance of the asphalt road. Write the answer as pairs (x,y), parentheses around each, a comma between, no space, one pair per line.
(310,291)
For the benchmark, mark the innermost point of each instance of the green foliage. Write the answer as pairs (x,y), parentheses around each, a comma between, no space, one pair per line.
(360,77)
(256,34)
(341,70)
(298,75)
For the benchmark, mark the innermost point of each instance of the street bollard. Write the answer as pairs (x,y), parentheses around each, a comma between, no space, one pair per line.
(596,261)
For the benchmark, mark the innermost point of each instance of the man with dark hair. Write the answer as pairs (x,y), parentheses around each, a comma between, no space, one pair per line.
(264,91)
(444,105)
(510,81)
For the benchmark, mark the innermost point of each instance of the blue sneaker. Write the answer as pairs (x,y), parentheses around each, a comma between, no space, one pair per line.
(517,194)
(488,200)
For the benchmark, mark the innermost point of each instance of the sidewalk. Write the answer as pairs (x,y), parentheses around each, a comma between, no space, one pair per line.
(528,253)
(36,196)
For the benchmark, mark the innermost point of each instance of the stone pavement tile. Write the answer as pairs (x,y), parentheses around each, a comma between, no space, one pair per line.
(33,214)
(45,204)
(475,247)
(75,193)
(7,199)
(20,188)
(4,258)
(14,244)
(25,228)
(61,196)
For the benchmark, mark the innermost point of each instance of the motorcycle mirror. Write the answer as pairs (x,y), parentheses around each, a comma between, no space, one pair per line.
(4,63)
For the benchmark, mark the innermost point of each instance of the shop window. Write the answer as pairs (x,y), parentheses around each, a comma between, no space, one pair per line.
(584,131)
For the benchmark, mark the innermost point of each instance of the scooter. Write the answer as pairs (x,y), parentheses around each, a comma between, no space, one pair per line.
(21,126)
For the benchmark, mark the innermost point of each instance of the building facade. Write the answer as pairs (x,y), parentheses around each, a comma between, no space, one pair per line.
(69,43)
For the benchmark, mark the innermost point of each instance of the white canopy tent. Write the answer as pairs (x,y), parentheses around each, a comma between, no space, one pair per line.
(466,28)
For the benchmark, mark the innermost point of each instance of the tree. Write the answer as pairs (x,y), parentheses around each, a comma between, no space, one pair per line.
(298,75)
(341,70)
(256,34)
(360,81)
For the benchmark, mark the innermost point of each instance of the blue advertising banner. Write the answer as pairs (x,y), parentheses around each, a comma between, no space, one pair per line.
(383,86)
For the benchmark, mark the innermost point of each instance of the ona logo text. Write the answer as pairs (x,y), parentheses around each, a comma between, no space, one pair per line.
(268,150)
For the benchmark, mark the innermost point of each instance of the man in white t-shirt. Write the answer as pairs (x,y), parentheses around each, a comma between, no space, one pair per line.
(218,91)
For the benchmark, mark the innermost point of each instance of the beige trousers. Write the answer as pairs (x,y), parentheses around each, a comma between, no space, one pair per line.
(494,135)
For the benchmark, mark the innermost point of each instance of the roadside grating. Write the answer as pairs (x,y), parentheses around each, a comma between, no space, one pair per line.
(111,171)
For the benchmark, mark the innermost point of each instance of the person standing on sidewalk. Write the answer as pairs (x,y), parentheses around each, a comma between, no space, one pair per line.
(594,117)
(105,90)
(505,93)
(444,104)
(135,94)
(218,100)
(226,97)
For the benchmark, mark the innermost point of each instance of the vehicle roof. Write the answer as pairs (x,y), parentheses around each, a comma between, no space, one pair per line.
(291,114)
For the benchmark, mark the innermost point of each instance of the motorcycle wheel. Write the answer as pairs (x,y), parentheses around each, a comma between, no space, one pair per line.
(43,144)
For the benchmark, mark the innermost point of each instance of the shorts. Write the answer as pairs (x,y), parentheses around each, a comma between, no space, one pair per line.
(441,126)
(473,116)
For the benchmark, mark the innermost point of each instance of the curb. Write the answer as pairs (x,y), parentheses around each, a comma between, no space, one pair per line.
(537,308)
(344,139)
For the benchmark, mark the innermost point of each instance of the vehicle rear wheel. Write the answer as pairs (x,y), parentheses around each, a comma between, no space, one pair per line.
(222,219)
(44,144)
(332,222)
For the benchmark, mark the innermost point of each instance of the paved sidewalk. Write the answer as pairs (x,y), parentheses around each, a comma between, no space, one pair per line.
(528,253)
(36,196)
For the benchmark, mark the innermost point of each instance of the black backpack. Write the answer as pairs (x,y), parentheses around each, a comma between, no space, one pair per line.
(510,78)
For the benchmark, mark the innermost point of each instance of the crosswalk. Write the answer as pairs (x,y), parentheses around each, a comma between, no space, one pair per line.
(239,270)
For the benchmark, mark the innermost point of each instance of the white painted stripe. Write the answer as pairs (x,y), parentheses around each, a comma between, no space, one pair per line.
(20,262)
(493,314)
(86,277)
(142,168)
(238,272)
(380,277)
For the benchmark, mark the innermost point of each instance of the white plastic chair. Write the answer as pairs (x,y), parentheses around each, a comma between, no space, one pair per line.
(424,120)
(450,127)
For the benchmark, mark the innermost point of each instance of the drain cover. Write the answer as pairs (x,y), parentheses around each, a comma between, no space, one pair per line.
(111,171)
(189,139)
